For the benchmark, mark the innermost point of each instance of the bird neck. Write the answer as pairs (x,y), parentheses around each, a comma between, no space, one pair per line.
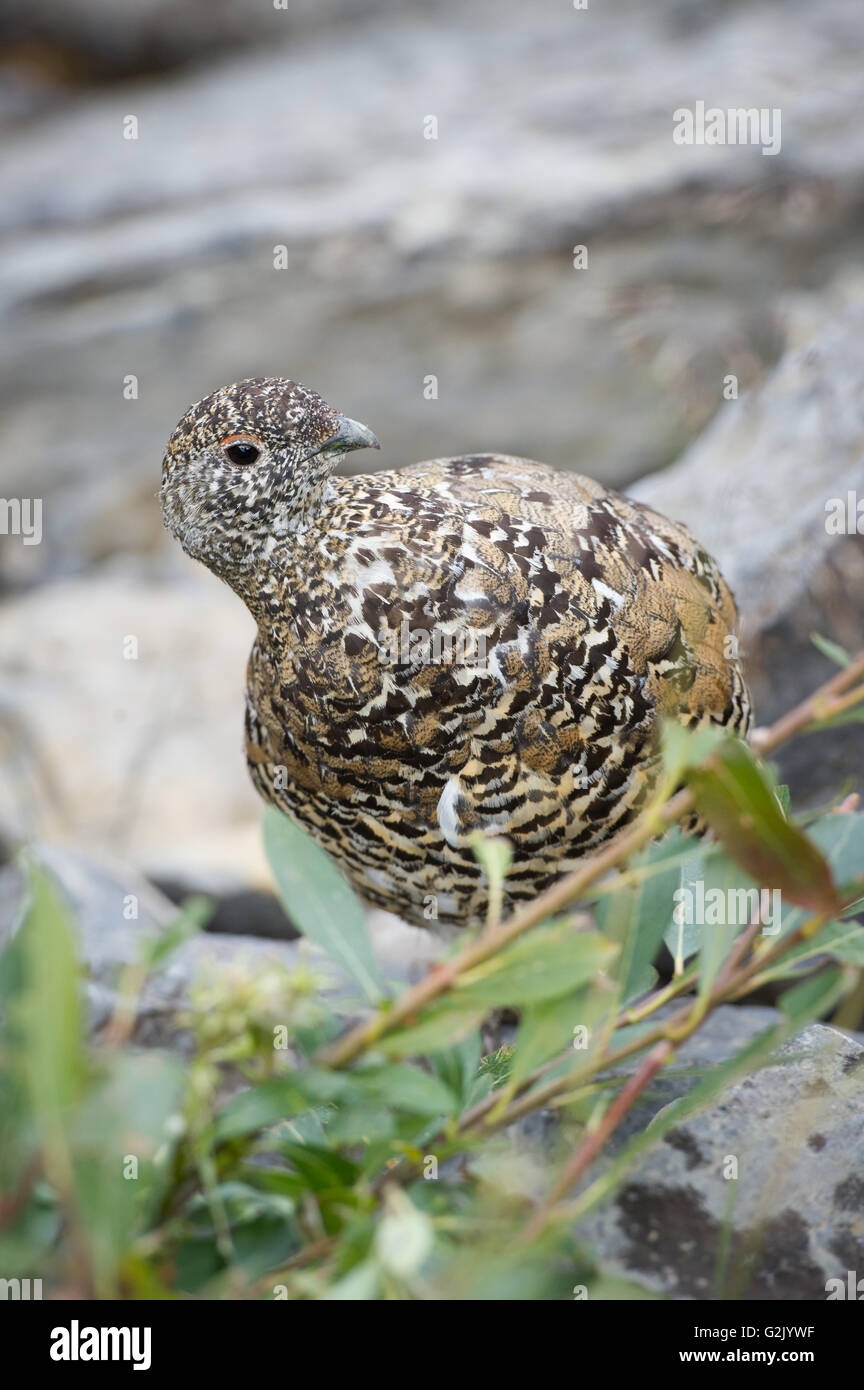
(255,560)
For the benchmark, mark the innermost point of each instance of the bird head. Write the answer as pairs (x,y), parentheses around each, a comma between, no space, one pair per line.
(250,463)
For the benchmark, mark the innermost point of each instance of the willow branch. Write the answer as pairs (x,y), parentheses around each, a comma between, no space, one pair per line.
(822,704)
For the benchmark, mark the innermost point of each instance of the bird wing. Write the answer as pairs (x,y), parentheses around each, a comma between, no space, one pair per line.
(499,642)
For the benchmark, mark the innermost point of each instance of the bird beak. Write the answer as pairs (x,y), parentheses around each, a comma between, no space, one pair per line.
(349,435)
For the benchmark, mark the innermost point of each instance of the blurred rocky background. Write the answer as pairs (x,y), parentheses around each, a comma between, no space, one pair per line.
(137,274)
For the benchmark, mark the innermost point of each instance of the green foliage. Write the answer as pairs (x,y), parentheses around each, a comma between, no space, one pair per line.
(554,960)
(737,801)
(317,898)
(832,650)
(259,1164)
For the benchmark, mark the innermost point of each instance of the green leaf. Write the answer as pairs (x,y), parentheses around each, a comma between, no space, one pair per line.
(714,902)
(832,650)
(321,1169)
(812,997)
(841,839)
(46,1015)
(739,804)
(120,1138)
(320,902)
(545,1030)
(192,916)
(731,896)
(458,1068)
(305,1128)
(494,1072)
(853,715)
(638,912)
(842,940)
(442,1025)
(283,1098)
(407,1088)
(360,1285)
(684,937)
(551,961)
(494,855)
(258,1108)
(683,748)
(365,1122)
(275,1180)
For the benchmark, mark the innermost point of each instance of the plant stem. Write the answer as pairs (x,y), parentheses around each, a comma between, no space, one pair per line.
(594,1141)
(821,704)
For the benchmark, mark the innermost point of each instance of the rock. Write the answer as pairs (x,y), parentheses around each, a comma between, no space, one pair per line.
(121,702)
(98,894)
(244,912)
(756,489)
(409,258)
(725,1031)
(97,38)
(403,952)
(795,1212)
(538,1138)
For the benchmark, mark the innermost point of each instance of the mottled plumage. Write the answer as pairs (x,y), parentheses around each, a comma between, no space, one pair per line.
(477,643)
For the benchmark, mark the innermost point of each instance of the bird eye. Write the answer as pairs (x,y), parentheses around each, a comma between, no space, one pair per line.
(239,449)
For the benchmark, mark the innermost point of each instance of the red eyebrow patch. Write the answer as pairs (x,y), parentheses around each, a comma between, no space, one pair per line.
(230,439)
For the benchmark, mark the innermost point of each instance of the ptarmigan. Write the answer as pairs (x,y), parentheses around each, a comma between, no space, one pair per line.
(469,644)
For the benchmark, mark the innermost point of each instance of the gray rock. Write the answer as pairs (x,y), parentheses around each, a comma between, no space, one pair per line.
(409,257)
(754,488)
(723,1033)
(115,912)
(793,1216)
(103,39)
(244,911)
(121,720)
(113,908)
(719,1037)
